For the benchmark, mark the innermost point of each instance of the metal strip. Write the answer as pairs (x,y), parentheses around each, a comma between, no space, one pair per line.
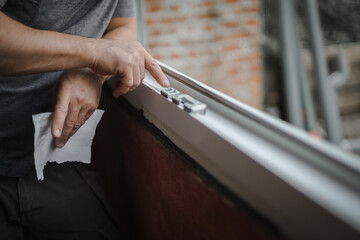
(351,163)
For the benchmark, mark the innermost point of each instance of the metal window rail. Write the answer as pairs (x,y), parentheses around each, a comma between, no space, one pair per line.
(308,188)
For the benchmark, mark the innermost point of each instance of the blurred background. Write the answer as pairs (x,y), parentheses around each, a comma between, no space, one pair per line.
(215,42)
(251,49)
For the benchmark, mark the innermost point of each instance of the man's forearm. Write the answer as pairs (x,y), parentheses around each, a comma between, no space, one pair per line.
(24,50)
(121,29)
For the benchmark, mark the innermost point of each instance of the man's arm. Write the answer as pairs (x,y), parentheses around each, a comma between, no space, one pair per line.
(78,91)
(24,50)
(121,29)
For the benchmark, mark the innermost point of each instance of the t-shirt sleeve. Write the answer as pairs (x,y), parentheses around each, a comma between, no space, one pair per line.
(124,8)
(2,3)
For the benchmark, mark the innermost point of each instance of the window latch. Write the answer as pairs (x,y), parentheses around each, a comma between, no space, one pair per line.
(169,92)
(184,101)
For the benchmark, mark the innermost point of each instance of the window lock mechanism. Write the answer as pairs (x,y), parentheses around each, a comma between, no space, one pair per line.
(184,101)
(169,92)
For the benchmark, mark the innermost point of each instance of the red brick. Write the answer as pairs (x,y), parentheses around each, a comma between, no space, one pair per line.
(232,24)
(158,44)
(156,32)
(230,48)
(252,22)
(232,1)
(174,19)
(155,8)
(149,21)
(209,28)
(209,4)
(221,52)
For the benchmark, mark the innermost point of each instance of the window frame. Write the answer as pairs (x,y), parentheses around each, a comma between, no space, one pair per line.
(307,187)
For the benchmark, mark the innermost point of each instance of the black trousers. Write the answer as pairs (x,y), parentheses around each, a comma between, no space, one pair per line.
(69,203)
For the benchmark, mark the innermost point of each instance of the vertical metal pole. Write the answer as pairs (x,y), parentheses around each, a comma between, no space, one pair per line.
(327,94)
(305,92)
(293,102)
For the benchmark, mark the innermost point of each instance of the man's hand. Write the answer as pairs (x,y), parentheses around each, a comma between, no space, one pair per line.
(75,97)
(25,50)
(128,60)
(77,93)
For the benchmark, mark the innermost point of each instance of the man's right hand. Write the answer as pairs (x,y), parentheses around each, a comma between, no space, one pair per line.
(25,50)
(128,60)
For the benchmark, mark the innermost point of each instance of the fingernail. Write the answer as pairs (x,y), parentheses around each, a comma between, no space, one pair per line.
(166,83)
(57,133)
(60,145)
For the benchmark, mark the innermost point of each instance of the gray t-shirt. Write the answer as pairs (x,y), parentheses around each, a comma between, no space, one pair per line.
(23,96)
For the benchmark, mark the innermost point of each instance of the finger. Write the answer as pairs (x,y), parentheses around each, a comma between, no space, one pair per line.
(88,114)
(153,67)
(70,121)
(84,115)
(80,121)
(60,112)
(136,77)
(142,70)
(123,85)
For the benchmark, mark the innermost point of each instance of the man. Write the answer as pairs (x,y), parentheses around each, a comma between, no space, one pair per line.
(52,50)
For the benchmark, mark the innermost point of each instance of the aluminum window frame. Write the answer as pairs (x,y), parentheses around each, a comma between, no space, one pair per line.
(308,188)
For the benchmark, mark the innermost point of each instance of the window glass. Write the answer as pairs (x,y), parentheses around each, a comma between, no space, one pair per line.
(237,47)
(341,30)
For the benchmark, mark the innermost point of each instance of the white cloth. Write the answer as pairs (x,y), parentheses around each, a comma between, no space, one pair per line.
(78,148)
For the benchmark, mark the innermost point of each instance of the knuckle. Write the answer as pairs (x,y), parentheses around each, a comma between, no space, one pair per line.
(130,61)
(80,98)
(63,139)
(90,113)
(153,63)
(69,124)
(127,84)
(77,126)
(137,58)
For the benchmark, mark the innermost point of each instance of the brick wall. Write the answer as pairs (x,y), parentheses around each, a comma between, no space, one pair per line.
(213,41)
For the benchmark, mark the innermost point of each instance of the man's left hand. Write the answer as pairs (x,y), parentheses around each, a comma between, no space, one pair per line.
(75,97)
